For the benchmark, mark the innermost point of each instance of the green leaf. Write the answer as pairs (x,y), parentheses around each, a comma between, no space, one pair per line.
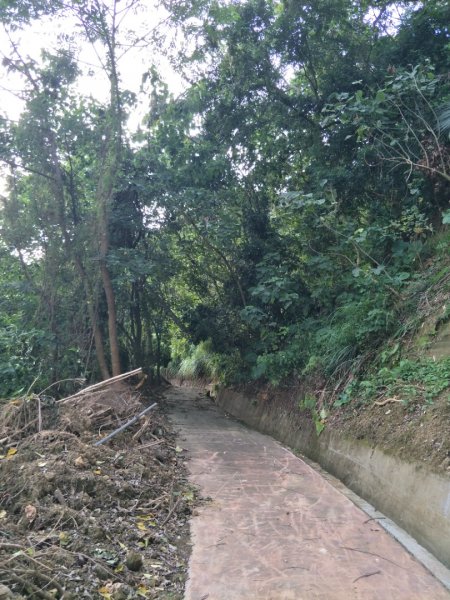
(446,217)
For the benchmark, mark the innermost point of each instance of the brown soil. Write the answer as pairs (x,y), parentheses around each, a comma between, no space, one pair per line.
(414,432)
(78,521)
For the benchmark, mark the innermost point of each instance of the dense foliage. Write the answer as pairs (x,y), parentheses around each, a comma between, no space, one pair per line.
(266,223)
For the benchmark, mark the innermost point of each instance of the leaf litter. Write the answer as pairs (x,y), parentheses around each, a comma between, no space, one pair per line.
(78,521)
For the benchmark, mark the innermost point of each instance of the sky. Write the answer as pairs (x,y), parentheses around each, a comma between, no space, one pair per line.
(51,33)
(46,34)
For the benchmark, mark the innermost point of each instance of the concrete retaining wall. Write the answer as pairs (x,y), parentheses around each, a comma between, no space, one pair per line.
(418,500)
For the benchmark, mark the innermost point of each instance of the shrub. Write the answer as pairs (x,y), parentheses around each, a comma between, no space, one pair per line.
(199,362)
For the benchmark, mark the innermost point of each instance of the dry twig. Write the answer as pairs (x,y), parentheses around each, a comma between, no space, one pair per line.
(102,384)
(387,401)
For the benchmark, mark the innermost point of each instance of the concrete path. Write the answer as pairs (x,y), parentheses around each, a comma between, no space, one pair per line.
(275,529)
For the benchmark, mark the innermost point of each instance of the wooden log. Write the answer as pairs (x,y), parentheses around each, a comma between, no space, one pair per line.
(101,384)
(127,424)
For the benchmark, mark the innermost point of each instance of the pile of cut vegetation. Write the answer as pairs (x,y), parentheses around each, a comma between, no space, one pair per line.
(79,520)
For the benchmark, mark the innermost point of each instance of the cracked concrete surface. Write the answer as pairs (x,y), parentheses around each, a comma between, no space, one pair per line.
(275,529)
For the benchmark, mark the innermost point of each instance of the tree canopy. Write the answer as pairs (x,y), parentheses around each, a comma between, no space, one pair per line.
(262,224)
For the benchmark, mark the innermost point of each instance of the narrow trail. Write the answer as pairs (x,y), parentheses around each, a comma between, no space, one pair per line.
(274,528)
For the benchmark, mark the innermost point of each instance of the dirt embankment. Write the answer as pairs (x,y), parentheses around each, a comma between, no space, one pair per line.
(79,521)
(411,431)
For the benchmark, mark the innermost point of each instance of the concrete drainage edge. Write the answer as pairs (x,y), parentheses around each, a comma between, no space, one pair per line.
(421,554)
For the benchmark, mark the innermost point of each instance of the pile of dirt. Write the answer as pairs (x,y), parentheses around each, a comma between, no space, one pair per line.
(85,521)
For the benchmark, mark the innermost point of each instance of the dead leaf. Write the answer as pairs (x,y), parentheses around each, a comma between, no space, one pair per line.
(11,452)
(79,462)
(143,591)
(30,512)
(105,592)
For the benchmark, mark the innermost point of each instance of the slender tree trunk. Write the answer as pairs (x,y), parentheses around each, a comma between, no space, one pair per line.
(107,184)
(99,343)
(98,335)
(112,319)
(89,294)
(104,195)
(158,357)
(136,323)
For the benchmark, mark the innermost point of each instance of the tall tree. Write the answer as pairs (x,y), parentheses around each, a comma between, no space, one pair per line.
(60,129)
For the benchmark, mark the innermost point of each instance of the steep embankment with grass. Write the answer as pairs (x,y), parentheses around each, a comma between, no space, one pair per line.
(401,401)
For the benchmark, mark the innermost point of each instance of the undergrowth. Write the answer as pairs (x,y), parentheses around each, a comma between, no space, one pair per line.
(195,362)
(409,380)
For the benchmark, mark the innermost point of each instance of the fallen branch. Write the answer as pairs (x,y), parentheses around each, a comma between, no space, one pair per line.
(74,380)
(151,445)
(367,575)
(374,554)
(24,554)
(171,511)
(8,546)
(30,587)
(153,504)
(102,384)
(137,436)
(373,519)
(384,402)
(89,558)
(141,383)
(127,424)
